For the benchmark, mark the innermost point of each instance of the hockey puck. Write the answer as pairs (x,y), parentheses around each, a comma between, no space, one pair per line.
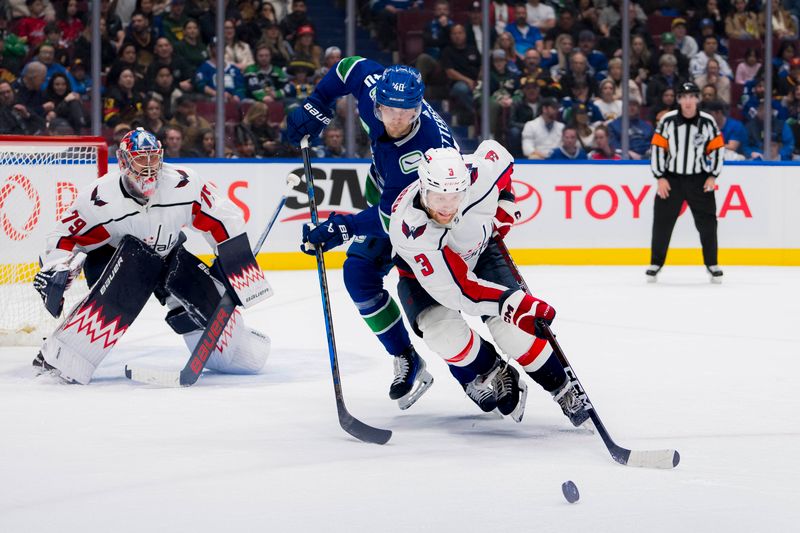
(570,491)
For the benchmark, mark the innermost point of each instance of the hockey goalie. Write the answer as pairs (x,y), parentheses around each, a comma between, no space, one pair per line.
(125,233)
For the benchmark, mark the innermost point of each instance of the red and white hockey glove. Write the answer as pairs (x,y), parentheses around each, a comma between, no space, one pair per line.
(506,215)
(525,311)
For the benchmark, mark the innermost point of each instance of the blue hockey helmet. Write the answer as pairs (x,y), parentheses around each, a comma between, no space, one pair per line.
(401,87)
(140,157)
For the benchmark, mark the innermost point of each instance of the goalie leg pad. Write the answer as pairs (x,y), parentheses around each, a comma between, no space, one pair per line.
(240,350)
(192,286)
(241,272)
(529,351)
(98,321)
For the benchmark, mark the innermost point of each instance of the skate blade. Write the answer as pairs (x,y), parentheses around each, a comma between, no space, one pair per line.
(651,279)
(422,383)
(519,410)
(716,280)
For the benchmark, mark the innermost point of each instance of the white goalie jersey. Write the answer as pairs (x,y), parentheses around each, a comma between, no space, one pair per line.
(104,213)
(442,259)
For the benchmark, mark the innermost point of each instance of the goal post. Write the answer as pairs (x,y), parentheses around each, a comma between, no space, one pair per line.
(39,180)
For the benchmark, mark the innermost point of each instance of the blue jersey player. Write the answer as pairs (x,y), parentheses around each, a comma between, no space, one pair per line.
(401,126)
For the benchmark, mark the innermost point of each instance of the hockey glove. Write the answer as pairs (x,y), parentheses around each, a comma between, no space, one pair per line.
(51,284)
(333,232)
(524,311)
(309,119)
(506,215)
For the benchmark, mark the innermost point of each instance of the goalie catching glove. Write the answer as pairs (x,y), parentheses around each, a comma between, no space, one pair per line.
(332,233)
(524,311)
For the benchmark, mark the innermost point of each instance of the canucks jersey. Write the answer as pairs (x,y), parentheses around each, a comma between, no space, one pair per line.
(104,213)
(394,161)
(442,259)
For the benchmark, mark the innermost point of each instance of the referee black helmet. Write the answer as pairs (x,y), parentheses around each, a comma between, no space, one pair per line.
(688,87)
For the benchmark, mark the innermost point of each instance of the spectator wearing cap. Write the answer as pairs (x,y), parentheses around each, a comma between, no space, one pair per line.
(474,29)
(237,52)
(710,14)
(602,146)
(524,108)
(579,95)
(746,70)
(568,149)
(640,132)
(783,25)
(305,49)
(81,81)
(301,82)
(164,55)
(733,131)
(742,23)
(579,119)
(437,30)
(712,76)
(16,118)
(205,79)
(609,105)
(667,77)
(462,66)
(191,48)
(540,15)
(686,43)
(525,35)
(669,46)
(697,65)
(542,135)
(170,24)
(598,64)
(265,82)
(295,19)
(385,16)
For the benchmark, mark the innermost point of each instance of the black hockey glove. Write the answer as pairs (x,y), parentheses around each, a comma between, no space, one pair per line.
(329,234)
(51,284)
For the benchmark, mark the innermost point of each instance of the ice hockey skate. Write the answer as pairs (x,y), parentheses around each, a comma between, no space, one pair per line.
(715,272)
(45,372)
(573,402)
(479,391)
(652,273)
(411,379)
(510,391)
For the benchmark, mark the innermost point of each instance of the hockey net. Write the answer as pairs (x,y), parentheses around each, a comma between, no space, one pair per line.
(39,179)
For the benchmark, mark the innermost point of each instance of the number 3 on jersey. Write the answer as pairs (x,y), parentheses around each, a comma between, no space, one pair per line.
(427,268)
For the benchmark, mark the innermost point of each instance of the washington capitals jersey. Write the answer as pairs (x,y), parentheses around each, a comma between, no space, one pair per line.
(442,259)
(394,161)
(104,213)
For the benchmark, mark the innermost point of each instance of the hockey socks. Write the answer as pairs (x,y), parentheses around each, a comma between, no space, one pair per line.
(550,376)
(386,323)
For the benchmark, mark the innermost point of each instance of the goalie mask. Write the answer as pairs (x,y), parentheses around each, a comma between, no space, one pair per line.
(140,157)
(444,185)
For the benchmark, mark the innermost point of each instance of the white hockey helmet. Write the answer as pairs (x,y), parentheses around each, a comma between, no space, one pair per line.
(140,158)
(444,185)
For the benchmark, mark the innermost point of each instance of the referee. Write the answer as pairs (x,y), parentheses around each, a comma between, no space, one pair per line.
(686,158)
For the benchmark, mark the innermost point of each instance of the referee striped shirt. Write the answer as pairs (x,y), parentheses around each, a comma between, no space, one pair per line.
(684,146)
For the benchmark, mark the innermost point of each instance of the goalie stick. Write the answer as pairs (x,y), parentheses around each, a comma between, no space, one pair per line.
(208,340)
(350,424)
(640,458)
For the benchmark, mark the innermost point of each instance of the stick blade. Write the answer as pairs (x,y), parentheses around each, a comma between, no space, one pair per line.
(362,431)
(665,459)
(153,376)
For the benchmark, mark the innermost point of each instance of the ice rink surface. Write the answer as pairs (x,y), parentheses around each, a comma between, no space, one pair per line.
(712,371)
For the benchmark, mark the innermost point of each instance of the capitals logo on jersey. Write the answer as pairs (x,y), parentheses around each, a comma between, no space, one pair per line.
(411,232)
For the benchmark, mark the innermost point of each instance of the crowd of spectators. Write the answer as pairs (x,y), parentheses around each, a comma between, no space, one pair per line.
(555,73)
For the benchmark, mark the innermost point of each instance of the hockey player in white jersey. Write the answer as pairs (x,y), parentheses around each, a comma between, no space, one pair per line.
(128,223)
(442,230)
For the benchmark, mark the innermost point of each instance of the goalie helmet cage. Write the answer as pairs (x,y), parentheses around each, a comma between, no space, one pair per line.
(39,180)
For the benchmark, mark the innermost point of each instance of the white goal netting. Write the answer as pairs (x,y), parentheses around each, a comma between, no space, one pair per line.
(39,179)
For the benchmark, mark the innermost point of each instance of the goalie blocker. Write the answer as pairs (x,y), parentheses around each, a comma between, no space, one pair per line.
(181,282)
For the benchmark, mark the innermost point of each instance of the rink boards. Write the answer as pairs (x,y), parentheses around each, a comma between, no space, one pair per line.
(578,214)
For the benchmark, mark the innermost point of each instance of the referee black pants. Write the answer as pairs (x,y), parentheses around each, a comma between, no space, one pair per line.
(704,210)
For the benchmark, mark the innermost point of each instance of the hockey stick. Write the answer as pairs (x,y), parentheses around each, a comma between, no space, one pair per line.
(352,425)
(216,325)
(624,456)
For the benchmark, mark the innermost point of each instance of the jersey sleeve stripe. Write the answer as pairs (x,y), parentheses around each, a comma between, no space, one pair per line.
(96,235)
(472,289)
(207,223)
